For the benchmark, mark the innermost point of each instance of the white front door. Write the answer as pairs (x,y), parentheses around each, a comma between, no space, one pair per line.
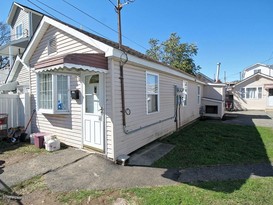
(93,123)
(270,97)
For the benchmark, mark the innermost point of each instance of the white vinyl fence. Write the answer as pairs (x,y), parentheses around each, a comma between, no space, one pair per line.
(17,107)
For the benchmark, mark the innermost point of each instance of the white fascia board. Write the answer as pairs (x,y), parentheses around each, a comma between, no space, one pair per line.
(15,67)
(213,100)
(12,12)
(217,84)
(155,66)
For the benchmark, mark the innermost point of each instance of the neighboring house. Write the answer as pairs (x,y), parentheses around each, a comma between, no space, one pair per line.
(23,22)
(75,79)
(254,93)
(213,101)
(255,90)
(257,68)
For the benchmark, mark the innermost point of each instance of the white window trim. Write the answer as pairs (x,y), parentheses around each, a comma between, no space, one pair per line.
(256,93)
(158,94)
(54,109)
(22,34)
(198,94)
(185,93)
(48,43)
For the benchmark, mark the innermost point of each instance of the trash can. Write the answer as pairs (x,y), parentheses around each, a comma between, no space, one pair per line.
(39,140)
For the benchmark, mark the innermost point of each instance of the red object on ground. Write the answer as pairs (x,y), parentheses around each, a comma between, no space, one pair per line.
(39,140)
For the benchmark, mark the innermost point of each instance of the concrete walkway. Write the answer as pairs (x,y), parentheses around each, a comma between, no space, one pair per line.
(72,169)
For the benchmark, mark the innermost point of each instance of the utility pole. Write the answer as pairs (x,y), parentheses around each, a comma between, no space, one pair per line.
(118,9)
(121,63)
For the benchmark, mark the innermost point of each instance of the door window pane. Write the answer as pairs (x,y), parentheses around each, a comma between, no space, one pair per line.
(92,103)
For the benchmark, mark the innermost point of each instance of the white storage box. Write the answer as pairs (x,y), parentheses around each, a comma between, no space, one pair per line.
(52,144)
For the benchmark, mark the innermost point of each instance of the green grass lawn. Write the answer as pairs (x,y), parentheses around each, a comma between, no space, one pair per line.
(254,191)
(210,143)
(200,144)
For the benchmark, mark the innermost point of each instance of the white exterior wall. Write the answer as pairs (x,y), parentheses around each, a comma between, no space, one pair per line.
(264,69)
(68,127)
(251,104)
(135,100)
(214,92)
(21,18)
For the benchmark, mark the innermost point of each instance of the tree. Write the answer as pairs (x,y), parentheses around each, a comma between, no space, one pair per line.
(4,38)
(174,53)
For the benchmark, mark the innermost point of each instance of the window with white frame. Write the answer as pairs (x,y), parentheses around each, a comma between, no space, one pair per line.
(257,71)
(53,93)
(52,46)
(152,92)
(198,94)
(251,93)
(19,31)
(185,93)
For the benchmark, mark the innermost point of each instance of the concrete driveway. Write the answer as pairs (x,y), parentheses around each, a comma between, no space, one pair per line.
(250,118)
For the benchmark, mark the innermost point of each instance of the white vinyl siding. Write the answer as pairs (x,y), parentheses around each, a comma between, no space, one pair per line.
(68,127)
(152,92)
(135,99)
(21,18)
(65,44)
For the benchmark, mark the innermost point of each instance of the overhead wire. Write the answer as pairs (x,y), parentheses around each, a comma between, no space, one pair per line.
(112,29)
(112,3)
(41,8)
(69,18)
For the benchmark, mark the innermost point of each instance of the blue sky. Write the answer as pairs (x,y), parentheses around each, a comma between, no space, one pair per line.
(237,33)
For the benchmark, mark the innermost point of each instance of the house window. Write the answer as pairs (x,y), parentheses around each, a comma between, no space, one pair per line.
(53,93)
(260,92)
(19,31)
(251,93)
(45,91)
(52,46)
(185,93)
(257,71)
(198,94)
(152,92)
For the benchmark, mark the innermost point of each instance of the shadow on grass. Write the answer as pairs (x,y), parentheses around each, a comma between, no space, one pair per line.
(216,151)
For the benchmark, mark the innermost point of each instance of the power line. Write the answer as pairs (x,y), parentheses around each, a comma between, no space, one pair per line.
(68,17)
(132,41)
(89,16)
(104,23)
(112,3)
(40,8)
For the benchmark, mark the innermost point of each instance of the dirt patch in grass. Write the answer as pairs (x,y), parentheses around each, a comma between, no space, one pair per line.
(18,152)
